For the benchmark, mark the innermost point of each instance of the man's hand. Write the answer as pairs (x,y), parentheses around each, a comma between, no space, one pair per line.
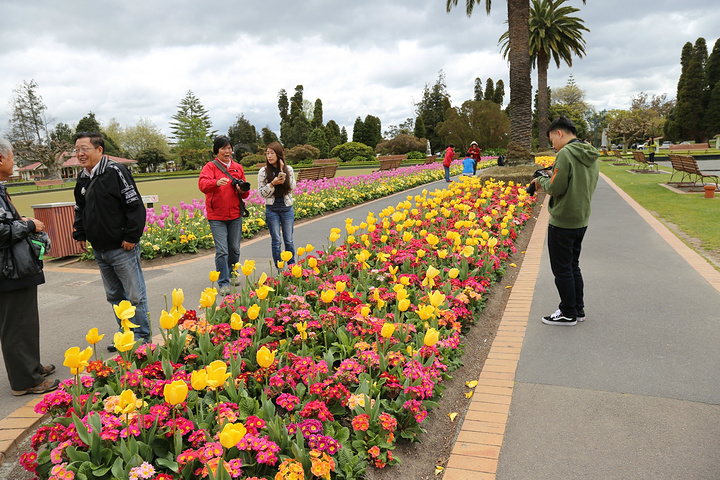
(537,185)
(127,245)
(39,226)
(82,244)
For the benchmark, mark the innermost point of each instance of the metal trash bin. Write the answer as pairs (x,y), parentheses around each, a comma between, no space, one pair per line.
(58,219)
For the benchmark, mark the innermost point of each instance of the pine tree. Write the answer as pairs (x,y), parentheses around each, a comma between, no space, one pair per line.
(432,107)
(318,140)
(478,90)
(690,112)
(268,136)
(283,105)
(332,134)
(318,114)
(499,94)
(192,130)
(489,90)
(419,130)
(372,129)
(358,131)
(243,136)
(343,135)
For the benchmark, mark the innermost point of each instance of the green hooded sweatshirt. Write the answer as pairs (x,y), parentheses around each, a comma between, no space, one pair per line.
(571,187)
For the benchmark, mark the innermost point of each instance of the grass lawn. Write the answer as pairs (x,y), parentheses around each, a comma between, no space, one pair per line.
(170,190)
(693,214)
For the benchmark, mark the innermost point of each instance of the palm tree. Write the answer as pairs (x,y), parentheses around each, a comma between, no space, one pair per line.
(520,107)
(555,34)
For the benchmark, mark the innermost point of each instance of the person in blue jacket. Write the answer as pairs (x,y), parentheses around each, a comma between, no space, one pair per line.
(469,165)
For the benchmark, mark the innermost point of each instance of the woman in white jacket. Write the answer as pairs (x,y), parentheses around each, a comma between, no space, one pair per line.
(276,183)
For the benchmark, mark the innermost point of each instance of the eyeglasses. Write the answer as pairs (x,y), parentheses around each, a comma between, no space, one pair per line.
(83,149)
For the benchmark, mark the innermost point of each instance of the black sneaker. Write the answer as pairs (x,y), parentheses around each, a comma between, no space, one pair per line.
(581,316)
(558,318)
(111,348)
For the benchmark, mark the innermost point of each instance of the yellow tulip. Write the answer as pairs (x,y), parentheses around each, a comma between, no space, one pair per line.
(77,360)
(334,237)
(312,262)
(216,374)
(286,256)
(206,299)
(124,310)
(280,264)
(263,279)
(300,251)
(175,392)
(453,272)
(168,320)
(431,337)
(247,268)
(405,281)
(177,300)
(127,402)
(401,293)
(420,253)
(426,311)
(309,248)
(436,298)
(403,304)
(214,275)
(198,379)
(432,272)
(254,311)
(92,336)
(302,328)
(340,286)
(327,296)
(442,254)
(365,311)
(265,357)
(296,271)
(124,341)
(467,251)
(231,434)
(387,330)
(263,291)
(407,236)
(236,322)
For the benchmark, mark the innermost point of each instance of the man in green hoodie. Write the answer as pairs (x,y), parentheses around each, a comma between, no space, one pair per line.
(571,187)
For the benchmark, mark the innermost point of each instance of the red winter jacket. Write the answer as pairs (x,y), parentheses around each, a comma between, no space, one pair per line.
(449,154)
(221,201)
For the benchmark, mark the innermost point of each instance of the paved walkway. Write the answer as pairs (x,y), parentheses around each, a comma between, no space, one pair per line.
(631,393)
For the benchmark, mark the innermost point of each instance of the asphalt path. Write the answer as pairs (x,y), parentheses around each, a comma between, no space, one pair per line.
(73,300)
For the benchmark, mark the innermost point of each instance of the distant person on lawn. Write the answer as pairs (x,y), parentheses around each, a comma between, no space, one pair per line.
(571,188)
(110,214)
(652,146)
(447,160)
(20,274)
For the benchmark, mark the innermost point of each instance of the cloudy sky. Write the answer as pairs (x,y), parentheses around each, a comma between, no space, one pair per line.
(129,59)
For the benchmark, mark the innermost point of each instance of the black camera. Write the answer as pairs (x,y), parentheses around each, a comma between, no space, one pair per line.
(543,172)
(243,186)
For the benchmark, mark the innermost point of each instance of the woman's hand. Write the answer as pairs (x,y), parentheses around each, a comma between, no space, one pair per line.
(222,181)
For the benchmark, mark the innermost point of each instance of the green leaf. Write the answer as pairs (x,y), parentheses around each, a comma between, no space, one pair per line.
(81,430)
(77,456)
(170,464)
(117,468)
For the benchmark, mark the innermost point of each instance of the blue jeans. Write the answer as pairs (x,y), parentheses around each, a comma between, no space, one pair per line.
(447,173)
(123,280)
(227,235)
(280,220)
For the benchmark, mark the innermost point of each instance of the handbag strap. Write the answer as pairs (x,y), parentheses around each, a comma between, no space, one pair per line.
(222,168)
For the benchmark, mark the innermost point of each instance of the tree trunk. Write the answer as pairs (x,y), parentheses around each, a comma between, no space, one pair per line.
(520,84)
(543,101)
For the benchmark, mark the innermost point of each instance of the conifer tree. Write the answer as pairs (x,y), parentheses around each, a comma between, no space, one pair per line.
(499,94)
(489,90)
(192,130)
(343,135)
(318,114)
(478,90)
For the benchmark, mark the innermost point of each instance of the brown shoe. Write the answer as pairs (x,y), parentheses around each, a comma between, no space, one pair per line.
(46,386)
(47,370)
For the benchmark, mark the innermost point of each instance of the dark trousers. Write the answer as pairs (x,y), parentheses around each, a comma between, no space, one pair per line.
(564,246)
(20,336)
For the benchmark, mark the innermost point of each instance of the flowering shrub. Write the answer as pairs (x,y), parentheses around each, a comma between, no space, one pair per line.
(175,230)
(314,373)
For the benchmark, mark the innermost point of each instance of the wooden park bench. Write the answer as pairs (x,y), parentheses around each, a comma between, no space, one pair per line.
(619,159)
(317,172)
(48,183)
(325,161)
(390,162)
(642,162)
(693,147)
(690,169)
(430,159)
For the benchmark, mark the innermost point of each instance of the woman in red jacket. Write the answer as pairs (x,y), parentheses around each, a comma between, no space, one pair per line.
(224,212)
(449,155)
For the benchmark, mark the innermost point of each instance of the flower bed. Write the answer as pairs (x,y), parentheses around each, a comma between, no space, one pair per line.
(173,230)
(315,373)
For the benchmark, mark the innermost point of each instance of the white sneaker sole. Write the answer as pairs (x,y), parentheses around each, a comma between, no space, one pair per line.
(552,322)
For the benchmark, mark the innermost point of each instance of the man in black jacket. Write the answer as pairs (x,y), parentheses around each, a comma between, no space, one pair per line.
(20,274)
(109,213)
